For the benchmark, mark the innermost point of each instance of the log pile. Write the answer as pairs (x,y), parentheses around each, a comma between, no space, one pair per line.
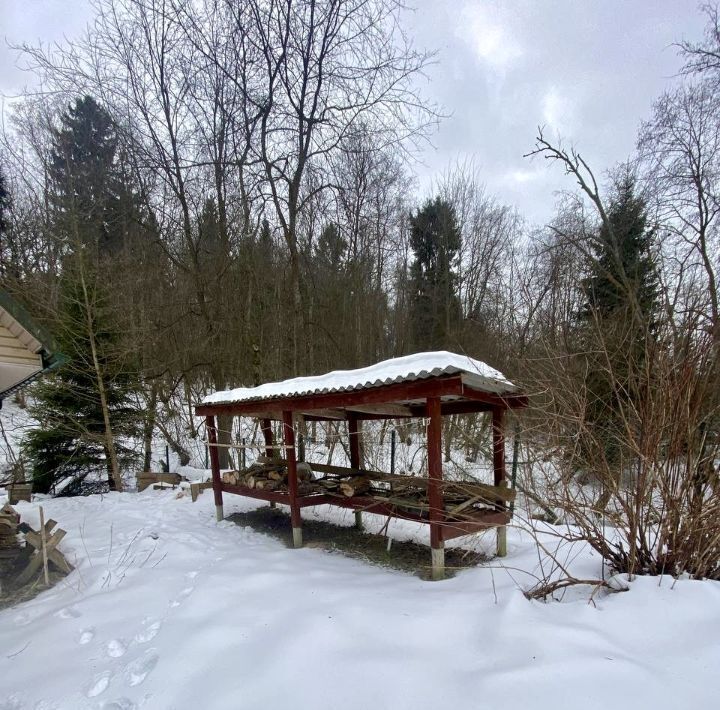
(9,520)
(22,564)
(409,493)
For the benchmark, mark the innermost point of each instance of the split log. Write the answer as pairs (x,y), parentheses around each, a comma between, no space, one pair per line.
(355,486)
(248,480)
(231,477)
(304,471)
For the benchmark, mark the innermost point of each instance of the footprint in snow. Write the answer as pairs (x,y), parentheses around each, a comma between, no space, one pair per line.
(69,612)
(138,670)
(148,634)
(193,574)
(183,594)
(98,684)
(21,619)
(115,648)
(119,704)
(86,636)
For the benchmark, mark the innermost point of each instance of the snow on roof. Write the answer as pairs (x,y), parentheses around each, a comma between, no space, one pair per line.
(400,369)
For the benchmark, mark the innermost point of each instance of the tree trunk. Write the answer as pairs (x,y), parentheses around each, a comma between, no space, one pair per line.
(149,427)
(109,438)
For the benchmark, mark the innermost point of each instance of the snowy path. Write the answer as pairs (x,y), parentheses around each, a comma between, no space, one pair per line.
(170,610)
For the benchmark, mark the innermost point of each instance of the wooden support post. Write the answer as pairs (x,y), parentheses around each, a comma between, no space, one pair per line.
(215,465)
(43,539)
(435,495)
(498,433)
(289,441)
(267,432)
(356,455)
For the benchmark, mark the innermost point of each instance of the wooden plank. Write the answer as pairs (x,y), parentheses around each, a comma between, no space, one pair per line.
(388,410)
(483,491)
(492,519)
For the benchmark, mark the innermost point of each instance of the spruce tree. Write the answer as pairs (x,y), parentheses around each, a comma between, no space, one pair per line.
(435,305)
(86,178)
(617,318)
(622,280)
(85,409)
(72,441)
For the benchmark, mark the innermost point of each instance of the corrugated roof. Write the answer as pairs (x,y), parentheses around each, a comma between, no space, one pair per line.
(400,369)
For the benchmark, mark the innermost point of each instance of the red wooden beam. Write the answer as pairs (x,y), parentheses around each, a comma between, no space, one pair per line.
(215,465)
(355,444)
(449,385)
(507,401)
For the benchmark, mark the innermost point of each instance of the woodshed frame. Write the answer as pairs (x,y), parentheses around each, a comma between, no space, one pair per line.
(430,398)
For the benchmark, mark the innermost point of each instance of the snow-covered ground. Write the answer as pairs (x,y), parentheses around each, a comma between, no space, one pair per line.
(169,609)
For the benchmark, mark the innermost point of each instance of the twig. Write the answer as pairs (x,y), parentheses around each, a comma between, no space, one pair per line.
(17,653)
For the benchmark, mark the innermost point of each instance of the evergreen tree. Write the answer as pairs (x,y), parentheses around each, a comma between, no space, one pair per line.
(72,440)
(435,305)
(86,177)
(622,280)
(85,408)
(617,318)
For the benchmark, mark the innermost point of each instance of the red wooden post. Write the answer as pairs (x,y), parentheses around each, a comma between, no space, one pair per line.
(356,457)
(435,495)
(267,432)
(215,465)
(498,432)
(289,440)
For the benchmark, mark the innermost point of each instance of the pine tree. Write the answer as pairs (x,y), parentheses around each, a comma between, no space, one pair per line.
(435,305)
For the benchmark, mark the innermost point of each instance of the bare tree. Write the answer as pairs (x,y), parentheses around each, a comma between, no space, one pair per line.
(680,149)
(327,66)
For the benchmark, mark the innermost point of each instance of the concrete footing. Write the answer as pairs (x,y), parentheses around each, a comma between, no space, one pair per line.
(502,541)
(219,512)
(358,520)
(438,562)
(297,537)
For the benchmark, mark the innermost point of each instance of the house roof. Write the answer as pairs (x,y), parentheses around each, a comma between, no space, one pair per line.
(26,351)
(404,382)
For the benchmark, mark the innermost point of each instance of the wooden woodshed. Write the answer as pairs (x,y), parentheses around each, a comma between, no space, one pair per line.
(423,386)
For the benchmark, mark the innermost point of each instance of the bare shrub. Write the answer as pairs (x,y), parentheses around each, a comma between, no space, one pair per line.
(641,487)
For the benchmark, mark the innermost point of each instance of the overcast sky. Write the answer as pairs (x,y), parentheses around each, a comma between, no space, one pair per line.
(588,69)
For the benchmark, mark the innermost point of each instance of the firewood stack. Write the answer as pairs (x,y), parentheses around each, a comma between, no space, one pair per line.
(9,520)
(461,499)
